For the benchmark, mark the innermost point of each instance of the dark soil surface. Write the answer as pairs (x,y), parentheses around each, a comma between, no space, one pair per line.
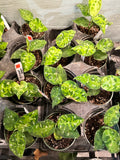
(101,98)
(57,144)
(92,31)
(92,62)
(92,125)
(25,30)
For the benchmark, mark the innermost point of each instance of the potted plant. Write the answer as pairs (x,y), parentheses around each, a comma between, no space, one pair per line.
(61,52)
(62,88)
(104,133)
(33,26)
(95,22)
(65,130)
(94,55)
(29,55)
(16,129)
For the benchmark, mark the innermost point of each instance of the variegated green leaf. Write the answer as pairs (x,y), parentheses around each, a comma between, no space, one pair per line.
(56,96)
(37,26)
(67,52)
(55,76)
(105,45)
(112,116)
(17,54)
(101,21)
(82,21)
(111,83)
(6,88)
(93,92)
(94,7)
(29,139)
(28,61)
(52,56)
(3,45)
(2,74)
(9,120)
(64,38)
(90,81)
(99,55)
(111,138)
(19,89)
(17,143)
(42,129)
(37,44)
(26,121)
(1,28)
(71,90)
(86,48)
(84,8)
(26,14)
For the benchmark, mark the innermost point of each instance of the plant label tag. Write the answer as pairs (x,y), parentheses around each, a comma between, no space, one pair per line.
(19,71)
(29,37)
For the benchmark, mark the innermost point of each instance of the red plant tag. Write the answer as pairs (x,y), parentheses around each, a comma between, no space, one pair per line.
(29,37)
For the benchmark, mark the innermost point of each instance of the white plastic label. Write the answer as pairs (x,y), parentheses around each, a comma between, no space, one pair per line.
(19,71)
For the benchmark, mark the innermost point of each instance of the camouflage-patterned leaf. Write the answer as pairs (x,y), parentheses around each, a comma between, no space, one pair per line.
(93,92)
(26,121)
(17,143)
(82,21)
(42,129)
(28,61)
(71,90)
(1,28)
(67,52)
(111,139)
(32,91)
(101,21)
(99,55)
(64,38)
(29,139)
(84,9)
(2,53)
(3,45)
(55,76)
(56,96)
(26,15)
(37,44)
(98,142)
(90,81)
(67,155)
(112,115)
(57,134)
(111,83)
(2,74)
(19,89)
(10,118)
(37,26)
(94,7)
(18,53)
(6,88)
(86,48)
(52,56)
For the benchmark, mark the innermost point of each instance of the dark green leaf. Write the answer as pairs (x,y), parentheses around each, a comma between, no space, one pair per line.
(111,139)
(56,96)
(67,52)
(2,53)
(9,120)
(99,55)
(42,129)
(67,156)
(84,9)
(2,74)
(29,139)
(71,90)
(94,7)
(90,81)
(26,121)
(37,26)
(26,14)
(86,48)
(17,54)
(82,21)
(17,143)
(111,116)
(37,44)
(1,28)
(28,61)
(6,88)
(64,38)
(93,92)
(52,56)
(111,83)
